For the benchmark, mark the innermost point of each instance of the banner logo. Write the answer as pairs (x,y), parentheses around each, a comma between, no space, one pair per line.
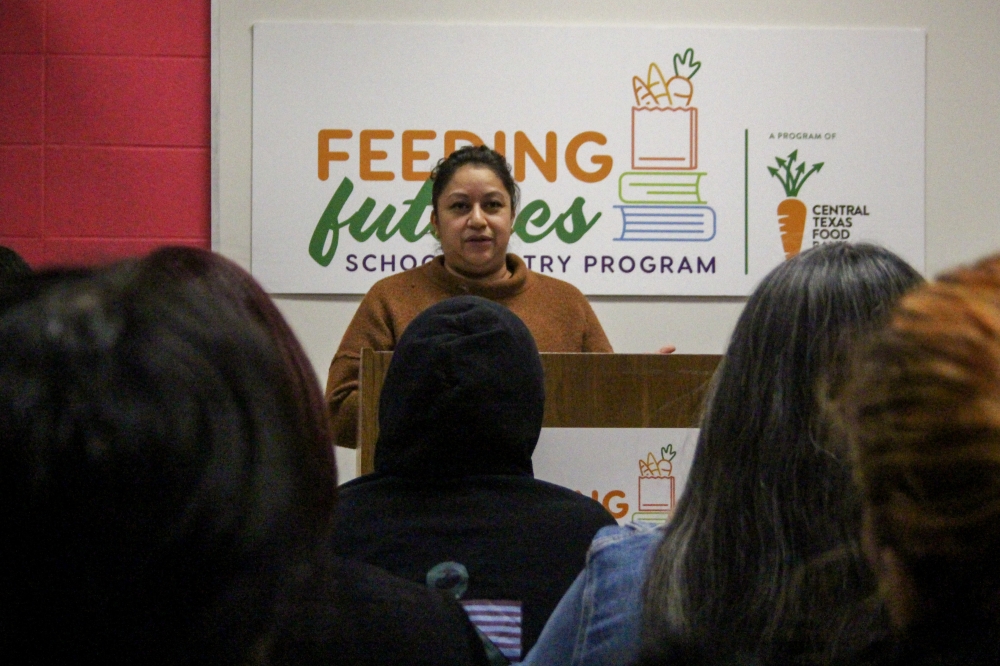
(657,487)
(663,192)
(792,212)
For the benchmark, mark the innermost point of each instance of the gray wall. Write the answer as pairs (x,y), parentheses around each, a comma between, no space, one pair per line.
(963,135)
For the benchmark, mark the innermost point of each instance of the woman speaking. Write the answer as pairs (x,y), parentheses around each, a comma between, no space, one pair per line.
(474,203)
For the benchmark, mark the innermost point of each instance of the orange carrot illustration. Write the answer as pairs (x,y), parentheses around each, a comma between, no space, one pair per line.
(680,90)
(791,211)
(792,222)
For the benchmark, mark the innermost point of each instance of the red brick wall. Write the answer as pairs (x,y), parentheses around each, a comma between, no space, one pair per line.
(104,127)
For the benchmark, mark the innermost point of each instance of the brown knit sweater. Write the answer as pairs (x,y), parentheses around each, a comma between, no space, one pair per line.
(555,312)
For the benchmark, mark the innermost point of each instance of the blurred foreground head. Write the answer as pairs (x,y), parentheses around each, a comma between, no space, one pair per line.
(767,498)
(464,394)
(12,266)
(158,477)
(226,281)
(922,411)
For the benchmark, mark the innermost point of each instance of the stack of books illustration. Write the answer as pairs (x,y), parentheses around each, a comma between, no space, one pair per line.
(661,197)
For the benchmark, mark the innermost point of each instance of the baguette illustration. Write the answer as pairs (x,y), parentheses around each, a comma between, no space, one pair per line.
(657,83)
(644,97)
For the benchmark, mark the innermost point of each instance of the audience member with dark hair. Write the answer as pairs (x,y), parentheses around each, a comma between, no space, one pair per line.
(762,557)
(767,510)
(12,265)
(166,497)
(473,208)
(228,282)
(453,500)
(922,413)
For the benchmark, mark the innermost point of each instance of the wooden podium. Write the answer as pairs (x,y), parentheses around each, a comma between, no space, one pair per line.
(581,391)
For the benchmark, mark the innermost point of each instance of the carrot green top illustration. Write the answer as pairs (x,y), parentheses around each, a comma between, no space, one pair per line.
(658,92)
(792,212)
(794,176)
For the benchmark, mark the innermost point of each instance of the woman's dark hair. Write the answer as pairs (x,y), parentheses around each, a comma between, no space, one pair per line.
(227,281)
(768,496)
(159,488)
(483,156)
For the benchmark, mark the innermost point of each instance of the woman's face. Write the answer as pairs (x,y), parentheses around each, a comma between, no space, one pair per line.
(473,220)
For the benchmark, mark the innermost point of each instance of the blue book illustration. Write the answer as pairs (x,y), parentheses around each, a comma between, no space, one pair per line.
(667,223)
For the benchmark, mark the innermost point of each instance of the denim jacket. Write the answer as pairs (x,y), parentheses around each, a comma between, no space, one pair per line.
(599,620)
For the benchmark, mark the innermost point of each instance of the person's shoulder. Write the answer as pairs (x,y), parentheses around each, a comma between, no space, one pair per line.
(514,484)
(632,539)
(380,587)
(419,275)
(558,296)
(570,500)
(355,611)
(554,285)
(401,607)
(402,296)
(369,493)
(360,484)
(539,282)
(535,485)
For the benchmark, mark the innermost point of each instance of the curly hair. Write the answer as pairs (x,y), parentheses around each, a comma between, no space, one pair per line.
(922,413)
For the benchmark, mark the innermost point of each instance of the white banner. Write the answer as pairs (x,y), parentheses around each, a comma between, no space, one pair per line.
(680,161)
(638,474)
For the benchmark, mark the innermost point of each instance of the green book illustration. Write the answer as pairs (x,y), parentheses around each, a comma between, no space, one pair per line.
(661,187)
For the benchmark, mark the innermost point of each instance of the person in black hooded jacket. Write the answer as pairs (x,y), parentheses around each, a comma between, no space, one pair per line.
(453,501)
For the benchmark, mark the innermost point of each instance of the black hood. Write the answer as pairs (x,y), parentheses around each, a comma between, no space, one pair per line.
(464,394)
